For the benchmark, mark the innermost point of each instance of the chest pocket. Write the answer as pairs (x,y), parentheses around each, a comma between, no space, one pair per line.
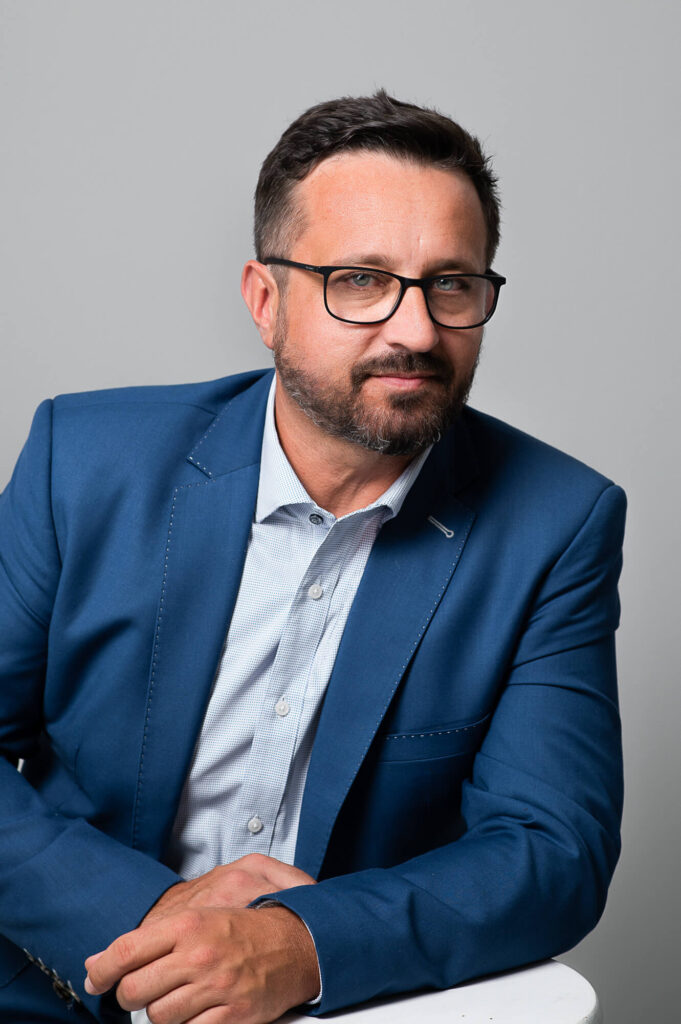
(432,744)
(406,797)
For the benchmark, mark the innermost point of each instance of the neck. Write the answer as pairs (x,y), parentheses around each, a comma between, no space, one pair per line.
(339,476)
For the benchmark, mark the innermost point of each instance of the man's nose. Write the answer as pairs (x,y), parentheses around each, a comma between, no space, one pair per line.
(411,326)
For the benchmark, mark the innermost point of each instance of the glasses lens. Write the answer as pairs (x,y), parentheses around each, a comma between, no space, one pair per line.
(364,296)
(460,301)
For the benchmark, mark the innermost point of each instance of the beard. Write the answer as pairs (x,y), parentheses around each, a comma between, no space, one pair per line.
(404,423)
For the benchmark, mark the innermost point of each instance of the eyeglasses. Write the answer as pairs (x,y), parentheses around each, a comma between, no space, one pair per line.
(363,295)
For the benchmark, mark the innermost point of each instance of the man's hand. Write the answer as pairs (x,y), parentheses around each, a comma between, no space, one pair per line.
(230,885)
(210,965)
(199,955)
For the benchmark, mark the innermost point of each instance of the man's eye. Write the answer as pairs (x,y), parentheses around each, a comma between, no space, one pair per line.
(448,284)
(359,281)
(362,280)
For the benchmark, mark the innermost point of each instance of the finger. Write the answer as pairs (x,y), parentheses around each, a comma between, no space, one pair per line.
(152,982)
(127,953)
(184,1004)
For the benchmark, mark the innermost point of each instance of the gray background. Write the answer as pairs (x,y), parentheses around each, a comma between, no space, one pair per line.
(132,134)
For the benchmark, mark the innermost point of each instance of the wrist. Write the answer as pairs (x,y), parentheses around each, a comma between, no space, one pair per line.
(301,954)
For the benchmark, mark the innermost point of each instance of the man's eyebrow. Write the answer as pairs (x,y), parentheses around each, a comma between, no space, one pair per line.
(383,262)
(371,259)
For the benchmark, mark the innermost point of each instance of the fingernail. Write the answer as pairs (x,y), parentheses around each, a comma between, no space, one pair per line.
(89,987)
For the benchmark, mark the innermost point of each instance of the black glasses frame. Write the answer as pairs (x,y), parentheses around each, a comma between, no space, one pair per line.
(405,282)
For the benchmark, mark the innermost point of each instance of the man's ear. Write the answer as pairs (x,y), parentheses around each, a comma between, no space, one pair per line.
(261,295)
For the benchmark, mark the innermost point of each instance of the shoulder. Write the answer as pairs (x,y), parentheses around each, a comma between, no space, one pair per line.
(144,417)
(533,485)
(503,449)
(126,437)
(204,396)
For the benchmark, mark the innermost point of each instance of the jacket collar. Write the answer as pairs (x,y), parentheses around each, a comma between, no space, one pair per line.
(234,438)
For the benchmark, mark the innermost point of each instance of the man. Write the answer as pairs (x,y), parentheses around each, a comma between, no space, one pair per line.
(335,649)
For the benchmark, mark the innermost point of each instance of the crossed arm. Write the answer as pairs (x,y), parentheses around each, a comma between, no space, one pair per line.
(526,881)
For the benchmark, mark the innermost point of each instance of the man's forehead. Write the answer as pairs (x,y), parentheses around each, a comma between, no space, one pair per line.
(360,198)
(384,173)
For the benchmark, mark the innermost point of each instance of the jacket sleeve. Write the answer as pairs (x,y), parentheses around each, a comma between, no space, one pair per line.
(528,879)
(66,889)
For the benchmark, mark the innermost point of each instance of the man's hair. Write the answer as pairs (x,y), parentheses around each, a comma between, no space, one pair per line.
(377,123)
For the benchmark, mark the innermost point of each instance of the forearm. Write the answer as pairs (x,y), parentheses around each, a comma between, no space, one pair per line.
(66,889)
(488,903)
(529,877)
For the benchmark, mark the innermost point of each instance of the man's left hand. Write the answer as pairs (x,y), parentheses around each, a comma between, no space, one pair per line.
(230,885)
(209,965)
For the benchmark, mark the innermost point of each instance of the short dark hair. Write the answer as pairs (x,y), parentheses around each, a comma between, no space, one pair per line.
(377,123)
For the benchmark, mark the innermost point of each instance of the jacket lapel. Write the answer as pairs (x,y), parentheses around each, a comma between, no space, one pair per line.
(410,566)
(206,545)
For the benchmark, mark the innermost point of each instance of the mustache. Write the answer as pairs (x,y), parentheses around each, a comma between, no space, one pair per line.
(401,362)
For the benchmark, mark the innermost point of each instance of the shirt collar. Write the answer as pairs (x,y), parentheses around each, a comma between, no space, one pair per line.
(279,486)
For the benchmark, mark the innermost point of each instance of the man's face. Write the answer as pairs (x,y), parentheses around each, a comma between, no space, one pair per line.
(392,387)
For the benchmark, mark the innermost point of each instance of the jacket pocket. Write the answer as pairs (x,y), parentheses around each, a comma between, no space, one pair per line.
(431,744)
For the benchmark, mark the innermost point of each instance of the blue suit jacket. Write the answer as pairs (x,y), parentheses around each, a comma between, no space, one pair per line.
(463,800)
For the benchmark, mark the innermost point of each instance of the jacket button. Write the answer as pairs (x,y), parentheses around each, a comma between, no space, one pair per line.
(64,991)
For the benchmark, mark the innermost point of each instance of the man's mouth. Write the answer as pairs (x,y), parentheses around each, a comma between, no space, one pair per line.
(407,373)
(406,381)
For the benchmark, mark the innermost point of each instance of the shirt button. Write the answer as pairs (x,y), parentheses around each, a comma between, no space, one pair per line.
(316,519)
(255,825)
(315,591)
(282,707)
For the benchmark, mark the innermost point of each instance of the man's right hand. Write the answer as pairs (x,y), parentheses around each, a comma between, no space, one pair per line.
(197,949)
(232,885)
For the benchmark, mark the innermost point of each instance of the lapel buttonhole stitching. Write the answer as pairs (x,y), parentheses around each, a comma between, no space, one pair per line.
(440,526)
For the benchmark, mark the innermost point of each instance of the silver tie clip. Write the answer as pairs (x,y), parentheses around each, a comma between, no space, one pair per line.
(440,526)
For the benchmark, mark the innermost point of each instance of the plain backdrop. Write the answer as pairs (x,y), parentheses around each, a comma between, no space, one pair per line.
(132,132)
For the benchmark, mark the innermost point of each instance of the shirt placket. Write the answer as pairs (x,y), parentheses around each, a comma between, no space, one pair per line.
(278,723)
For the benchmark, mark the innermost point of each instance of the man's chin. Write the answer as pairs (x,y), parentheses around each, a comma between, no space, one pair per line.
(404,429)
(393,420)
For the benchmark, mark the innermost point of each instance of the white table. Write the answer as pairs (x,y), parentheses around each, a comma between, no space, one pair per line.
(547,993)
